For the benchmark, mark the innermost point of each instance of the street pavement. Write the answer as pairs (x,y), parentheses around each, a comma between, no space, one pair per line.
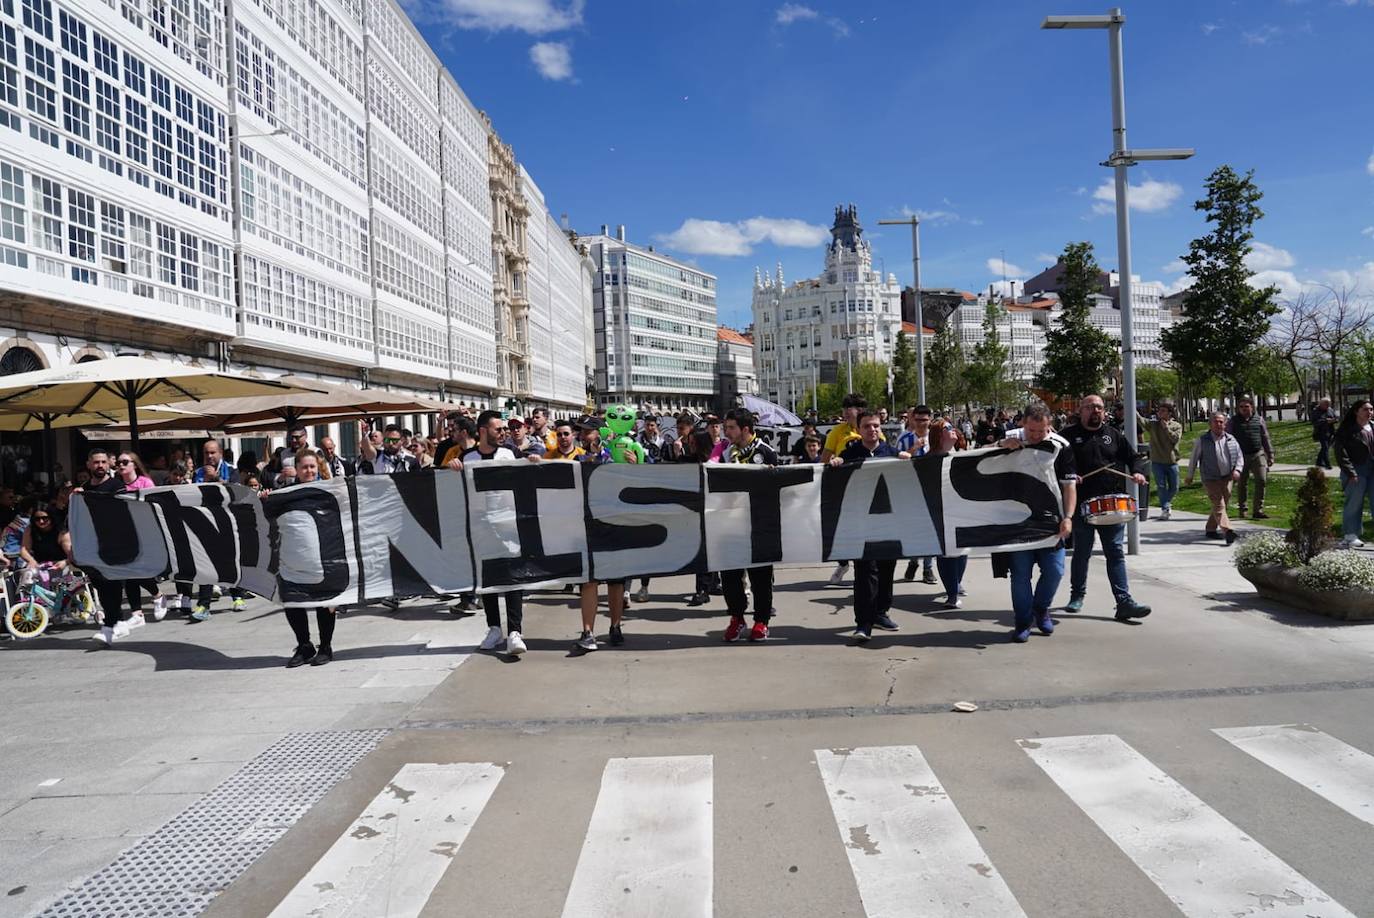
(1214,759)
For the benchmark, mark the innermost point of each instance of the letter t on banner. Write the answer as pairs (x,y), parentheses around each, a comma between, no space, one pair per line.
(527,522)
(745,510)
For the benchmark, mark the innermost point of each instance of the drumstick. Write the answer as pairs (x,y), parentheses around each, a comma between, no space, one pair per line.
(1107,468)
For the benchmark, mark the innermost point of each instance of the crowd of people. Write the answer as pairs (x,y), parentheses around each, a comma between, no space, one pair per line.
(1088,441)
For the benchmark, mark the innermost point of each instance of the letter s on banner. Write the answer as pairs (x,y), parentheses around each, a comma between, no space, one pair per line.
(317,561)
(644,519)
(1006,499)
(119,537)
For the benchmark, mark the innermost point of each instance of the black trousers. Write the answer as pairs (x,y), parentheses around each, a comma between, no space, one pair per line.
(515,610)
(760,582)
(872,590)
(299,621)
(113,593)
(205,593)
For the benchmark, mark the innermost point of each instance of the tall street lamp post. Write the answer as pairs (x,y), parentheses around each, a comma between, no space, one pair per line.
(915,222)
(1120,159)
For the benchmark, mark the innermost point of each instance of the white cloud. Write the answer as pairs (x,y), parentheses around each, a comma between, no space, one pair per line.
(1150,196)
(1179,283)
(1209,27)
(1361,279)
(1265,257)
(1046,259)
(933,216)
(1367,231)
(1369,165)
(789,13)
(1261,36)
(536,17)
(1287,282)
(1007,287)
(553,59)
(714,237)
(1000,266)
(1175,267)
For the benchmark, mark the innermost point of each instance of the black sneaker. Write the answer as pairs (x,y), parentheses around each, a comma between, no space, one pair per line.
(928,577)
(884,623)
(699,599)
(322,656)
(1230,536)
(1213,533)
(617,638)
(304,654)
(1131,609)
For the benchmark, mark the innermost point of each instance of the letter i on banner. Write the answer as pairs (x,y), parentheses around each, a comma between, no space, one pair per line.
(757,515)
(527,523)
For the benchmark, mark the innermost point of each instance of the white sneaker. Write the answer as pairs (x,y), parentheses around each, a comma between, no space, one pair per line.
(954,603)
(121,630)
(159,608)
(642,595)
(493,638)
(136,620)
(1164,515)
(187,604)
(1353,543)
(515,644)
(838,575)
(104,636)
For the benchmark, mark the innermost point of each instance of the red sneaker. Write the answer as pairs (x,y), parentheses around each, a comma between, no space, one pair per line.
(734,631)
(759,632)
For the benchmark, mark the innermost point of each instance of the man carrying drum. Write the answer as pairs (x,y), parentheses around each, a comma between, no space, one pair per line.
(1104,458)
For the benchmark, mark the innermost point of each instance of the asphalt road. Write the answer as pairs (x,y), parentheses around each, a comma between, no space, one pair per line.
(1213,760)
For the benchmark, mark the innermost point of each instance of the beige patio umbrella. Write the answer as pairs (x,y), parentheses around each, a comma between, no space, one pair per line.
(127,384)
(331,402)
(48,422)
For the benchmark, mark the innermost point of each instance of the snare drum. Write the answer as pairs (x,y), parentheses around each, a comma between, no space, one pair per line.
(1109,510)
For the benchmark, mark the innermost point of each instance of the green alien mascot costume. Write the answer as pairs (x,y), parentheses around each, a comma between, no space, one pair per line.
(620,423)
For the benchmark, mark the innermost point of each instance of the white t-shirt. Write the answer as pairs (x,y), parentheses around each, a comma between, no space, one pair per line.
(475,455)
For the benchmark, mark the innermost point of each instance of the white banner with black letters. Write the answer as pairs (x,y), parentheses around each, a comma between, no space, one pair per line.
(507,525)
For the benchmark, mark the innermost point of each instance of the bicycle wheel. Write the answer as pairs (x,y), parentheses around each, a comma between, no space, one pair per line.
(26,620)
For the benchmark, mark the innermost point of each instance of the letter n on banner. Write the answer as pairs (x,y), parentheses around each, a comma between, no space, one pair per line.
(217,533)
(527,523)
(644,519)
(413,534)
(317,557)
(746,507)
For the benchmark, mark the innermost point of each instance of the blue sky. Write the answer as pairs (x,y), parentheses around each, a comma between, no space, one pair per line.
(726,131)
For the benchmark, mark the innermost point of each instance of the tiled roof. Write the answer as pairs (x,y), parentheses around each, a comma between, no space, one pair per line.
(910,329)
(732,336)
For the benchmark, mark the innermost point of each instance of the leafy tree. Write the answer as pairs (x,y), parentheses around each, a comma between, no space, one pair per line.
(870,381)
(945,367)
(1155,384)
(1311,519)
(904,371)
(987,373)
(1078,354)
(1225,314)
(1267,374)
(1357,361)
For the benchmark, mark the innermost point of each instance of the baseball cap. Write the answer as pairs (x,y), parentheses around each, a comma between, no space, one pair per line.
(514,420)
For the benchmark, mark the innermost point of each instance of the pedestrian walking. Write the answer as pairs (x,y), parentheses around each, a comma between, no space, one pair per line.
(1252,433)
(308,469)
(1165,434)
(1323,431)
(915,440)
(1354,441)
(835,441)
(1219,457)
(747,449)
(945,438)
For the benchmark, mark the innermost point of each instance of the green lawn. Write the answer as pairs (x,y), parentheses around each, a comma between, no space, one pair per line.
(1279,502)
(1292,441)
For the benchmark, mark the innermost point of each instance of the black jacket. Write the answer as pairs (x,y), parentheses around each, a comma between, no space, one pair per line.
(1093,449)
(1351,450)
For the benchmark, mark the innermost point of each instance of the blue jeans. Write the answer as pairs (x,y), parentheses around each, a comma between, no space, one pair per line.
(1027,604)
(951,574)
(1352,514)
(1113,538)
(1166,481)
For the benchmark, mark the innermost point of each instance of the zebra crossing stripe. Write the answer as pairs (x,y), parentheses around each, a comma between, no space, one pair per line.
(1199,859)
(389,861)
(911,852)
(648,850)
(1323,764)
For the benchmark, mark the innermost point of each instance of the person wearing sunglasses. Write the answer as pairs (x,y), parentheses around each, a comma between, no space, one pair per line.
(390,459)
(45,542)
(566,447)
(128,476)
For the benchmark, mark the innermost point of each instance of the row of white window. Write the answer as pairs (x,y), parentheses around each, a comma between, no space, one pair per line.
(327,41)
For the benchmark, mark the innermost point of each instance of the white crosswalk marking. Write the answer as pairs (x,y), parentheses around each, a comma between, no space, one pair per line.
(648,850)
(389,861)
(911,852)
(1323,764)
(1200,860)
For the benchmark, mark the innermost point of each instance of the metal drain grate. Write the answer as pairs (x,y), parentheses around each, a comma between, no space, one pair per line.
(180,868)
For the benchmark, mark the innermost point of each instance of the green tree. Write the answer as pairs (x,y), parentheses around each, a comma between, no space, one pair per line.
(1225,315)
(1078,354)
(945,367)
(870,381)
(1357,361)
(904,371)
(1267,374)
(1155,384)
(987,373)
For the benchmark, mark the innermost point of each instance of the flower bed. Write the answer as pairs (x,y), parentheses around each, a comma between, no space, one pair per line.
(1337,584)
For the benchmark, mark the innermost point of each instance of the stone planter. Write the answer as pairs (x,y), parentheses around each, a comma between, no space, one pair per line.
(1273,581)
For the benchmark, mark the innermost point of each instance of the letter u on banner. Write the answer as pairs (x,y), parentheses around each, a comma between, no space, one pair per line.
(527,523)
